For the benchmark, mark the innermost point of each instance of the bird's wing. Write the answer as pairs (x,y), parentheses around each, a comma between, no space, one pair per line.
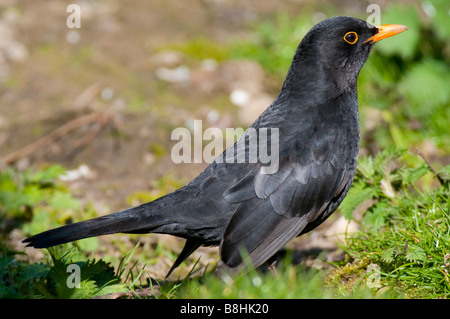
(274,208)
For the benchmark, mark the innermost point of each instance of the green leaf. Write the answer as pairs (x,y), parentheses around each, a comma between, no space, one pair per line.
(411,175)
(65,254)
(39,223)
(384,159)
(445,173)
(47,174)
(12,201)
(388,255)
(415,253)
(376,215)
(61,200)
(33,195)
(7,182)
(440,20)
(358,193)
(88,244)
(97,277)
(34,271)
(366,168)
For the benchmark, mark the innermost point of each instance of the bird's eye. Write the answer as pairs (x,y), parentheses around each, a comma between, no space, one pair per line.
(351,37)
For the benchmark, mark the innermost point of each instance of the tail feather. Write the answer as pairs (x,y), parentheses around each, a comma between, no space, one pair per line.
(126,221)
(190,246)
(160,216)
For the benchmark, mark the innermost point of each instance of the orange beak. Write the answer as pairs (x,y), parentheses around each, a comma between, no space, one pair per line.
(386,31)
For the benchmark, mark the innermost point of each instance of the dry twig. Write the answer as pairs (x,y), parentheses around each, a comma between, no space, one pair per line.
(101,118)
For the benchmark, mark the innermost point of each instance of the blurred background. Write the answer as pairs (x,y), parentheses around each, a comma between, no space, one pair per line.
(86,114)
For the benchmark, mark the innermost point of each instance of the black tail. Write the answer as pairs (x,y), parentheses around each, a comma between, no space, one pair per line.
(134,220)
(164,215)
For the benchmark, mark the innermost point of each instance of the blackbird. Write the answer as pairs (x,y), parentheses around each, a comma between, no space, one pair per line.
(249,212)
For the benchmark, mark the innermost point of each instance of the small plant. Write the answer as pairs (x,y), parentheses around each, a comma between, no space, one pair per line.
(34,197)
(74,276)
(405,232)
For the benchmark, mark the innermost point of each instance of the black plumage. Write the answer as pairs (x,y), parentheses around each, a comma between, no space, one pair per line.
(239,207)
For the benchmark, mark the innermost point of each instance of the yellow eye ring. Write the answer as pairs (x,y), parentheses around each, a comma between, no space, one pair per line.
(351,37)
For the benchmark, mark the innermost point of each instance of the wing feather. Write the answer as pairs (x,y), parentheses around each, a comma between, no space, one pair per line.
(274,208)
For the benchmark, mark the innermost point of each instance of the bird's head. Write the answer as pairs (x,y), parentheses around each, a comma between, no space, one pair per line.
(335,49)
